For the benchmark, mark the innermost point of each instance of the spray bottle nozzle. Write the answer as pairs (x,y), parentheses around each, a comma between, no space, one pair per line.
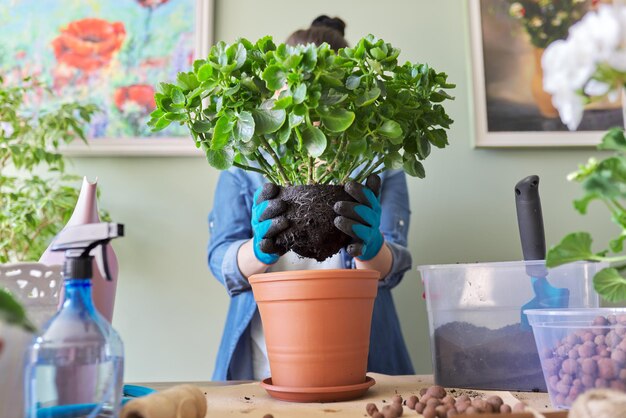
(78,241)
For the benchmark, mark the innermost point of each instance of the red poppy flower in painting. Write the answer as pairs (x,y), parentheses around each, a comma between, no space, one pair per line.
(88,44)
(151,3)
(140,96)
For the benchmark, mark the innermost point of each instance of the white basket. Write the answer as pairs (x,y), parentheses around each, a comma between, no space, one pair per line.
(37,287)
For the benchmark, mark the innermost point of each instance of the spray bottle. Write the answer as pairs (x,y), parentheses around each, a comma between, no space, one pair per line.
(74,367)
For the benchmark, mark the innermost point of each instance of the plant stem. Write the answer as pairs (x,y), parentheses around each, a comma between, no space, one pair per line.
(279,166)
(249,168)
(311,162)
(367,167)
(373,170)
(331,166)
(269,172)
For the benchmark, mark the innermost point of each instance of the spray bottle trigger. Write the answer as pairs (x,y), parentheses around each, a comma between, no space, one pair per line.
(102,262)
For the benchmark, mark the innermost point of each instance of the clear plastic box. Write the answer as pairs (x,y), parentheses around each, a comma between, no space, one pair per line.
(580,349)
(474,315)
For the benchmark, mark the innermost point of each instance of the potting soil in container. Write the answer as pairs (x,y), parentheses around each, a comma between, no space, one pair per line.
(468,356)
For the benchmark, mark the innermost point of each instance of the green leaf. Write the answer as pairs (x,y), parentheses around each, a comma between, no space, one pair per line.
(283,134)
(353,82)
(267,119)
(205,72)
(440,96)
(610,285)
(314,141)
(614,139)
(574,247)
(413,168)
(176,117)
(378,53)
(332,97)
(274,77)
(221,133)
(581,204)
(391,129)
(357,146)
(187,81)
(177,96)
(13,313)
(393,161)
(283,103)
(221,159)
(299,94)
(240,56)
(368,97)
(161,124)
(295,120)
(201,126)
(617,244)
(337,120)
(437,137)
(244,127)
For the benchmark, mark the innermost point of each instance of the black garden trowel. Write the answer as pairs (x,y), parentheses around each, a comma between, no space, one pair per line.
(530,222)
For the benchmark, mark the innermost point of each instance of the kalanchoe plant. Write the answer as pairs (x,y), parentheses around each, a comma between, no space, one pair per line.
(307,114)
(605,181)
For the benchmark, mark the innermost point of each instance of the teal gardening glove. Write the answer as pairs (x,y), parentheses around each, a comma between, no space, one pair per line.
(267,222)
(361,219)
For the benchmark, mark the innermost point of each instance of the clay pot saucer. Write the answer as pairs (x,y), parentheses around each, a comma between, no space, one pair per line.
(317,394)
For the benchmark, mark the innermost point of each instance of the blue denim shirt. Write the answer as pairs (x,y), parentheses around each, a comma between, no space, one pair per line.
(229,225)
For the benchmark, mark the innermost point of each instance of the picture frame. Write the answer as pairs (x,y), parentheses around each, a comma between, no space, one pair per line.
(111,53)
(510,105)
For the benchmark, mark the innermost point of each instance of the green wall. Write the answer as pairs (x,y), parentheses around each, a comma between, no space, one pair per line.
(170,311)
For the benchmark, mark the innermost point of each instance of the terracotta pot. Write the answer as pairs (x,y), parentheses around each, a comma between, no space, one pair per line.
(543,100)
(316,325)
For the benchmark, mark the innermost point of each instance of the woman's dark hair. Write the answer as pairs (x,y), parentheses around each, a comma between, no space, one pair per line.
(322,29)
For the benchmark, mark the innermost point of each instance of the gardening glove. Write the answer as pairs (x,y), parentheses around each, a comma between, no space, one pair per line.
(361,219)
(267,222)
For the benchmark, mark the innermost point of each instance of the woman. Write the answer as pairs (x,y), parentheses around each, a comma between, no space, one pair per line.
(240,245)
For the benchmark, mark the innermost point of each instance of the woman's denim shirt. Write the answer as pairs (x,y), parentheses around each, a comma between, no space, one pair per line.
(229,225)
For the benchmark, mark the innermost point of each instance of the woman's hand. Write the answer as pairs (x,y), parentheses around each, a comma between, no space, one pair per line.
(267,222)
(361,219)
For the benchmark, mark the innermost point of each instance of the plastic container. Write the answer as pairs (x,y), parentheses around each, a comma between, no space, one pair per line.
(474,315)
(580,349)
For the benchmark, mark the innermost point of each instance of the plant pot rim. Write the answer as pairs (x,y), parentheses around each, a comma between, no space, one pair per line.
(274,276)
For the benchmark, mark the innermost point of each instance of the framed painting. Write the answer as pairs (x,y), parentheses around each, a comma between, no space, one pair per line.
(508,38)
(112,53)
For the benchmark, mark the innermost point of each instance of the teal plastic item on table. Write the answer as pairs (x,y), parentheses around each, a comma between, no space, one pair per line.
(80,410)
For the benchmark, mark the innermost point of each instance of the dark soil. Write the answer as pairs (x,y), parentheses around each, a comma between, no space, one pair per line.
(311,231)
(468,356)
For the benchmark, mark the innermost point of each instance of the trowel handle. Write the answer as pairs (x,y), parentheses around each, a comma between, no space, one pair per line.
(530,218)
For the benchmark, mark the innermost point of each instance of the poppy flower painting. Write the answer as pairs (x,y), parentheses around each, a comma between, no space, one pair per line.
(108,52)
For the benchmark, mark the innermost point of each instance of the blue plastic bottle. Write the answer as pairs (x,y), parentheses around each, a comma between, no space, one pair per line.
(75,366)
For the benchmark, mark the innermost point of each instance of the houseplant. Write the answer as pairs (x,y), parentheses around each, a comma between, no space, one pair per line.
(589,65)
(310,119)
(37,195)
(307,115)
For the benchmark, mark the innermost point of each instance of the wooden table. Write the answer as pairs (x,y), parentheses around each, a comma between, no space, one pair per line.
(249,399)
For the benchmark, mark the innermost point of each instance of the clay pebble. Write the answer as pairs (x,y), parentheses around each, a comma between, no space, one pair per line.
(436,402)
